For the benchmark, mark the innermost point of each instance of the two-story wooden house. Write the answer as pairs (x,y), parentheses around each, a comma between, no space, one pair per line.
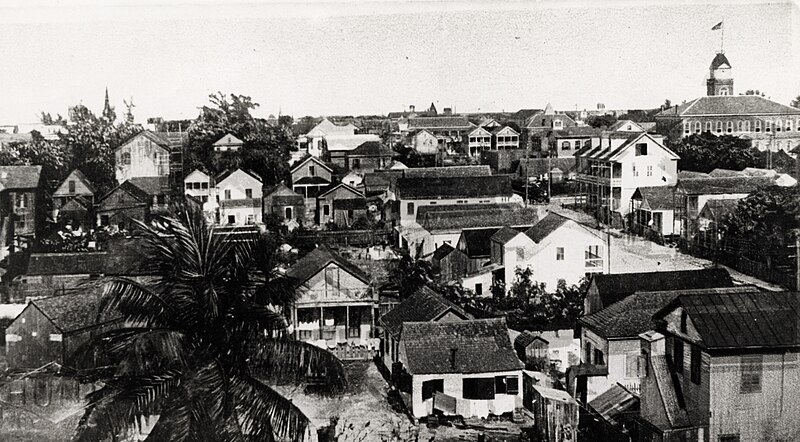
(478,140)
(21,205)
(365,158)
(138,198)
(336,304)
(311,177)
(73,200)
(505,138)
(200,185)
(146,154)
(341,205)
(228,143)
(608,175)
(239,196)
(725,368)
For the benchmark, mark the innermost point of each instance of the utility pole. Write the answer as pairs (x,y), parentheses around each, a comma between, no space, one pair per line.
(797,260)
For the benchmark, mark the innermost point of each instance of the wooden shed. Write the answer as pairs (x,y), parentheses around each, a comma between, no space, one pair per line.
(555,412)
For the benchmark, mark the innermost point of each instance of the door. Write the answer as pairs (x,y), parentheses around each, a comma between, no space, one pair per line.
(658,219)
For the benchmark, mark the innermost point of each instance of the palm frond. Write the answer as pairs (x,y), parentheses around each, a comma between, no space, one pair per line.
(175,420)
(137,303)
(287,359)
(263,411)
(138,347)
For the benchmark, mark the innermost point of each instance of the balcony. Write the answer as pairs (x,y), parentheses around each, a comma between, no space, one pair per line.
(600,180)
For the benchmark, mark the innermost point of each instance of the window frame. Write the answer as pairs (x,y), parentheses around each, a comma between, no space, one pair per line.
(695,364)
(751,368)
(560,253)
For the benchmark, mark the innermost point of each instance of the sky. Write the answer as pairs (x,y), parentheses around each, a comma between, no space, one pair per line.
(356,57)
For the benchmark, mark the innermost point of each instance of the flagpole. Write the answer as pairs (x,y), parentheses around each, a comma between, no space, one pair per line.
(722,38)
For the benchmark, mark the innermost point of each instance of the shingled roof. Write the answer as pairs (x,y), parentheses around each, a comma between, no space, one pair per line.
(77,310)
(490,215)
(478,241)
(454,187)
(122,261)
(19,177)
(371,149)
(504,235)
(473,346)
(424,305)
(447,122)
(742,320)
(634,315)
(724,185)
(318,259)
(656,197)
(615,287)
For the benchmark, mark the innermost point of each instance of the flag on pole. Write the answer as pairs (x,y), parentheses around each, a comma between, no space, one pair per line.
(717,27)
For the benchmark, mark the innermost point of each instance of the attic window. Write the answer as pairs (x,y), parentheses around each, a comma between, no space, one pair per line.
(641,149)
(683,321)
(71,186)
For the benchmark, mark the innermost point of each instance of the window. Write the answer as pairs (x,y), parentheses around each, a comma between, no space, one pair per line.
(641,149)
(683,321)
(698,127)
(558,124)
(767,126)
(719,126)
(197,186)
(311,171)
(587,143)
(649,170)
(125,158)
(410,208)
(747,126)
(71,186)
(288,213)
(478,288)
(231,219)
(251,219)
(695,364)
(478,388)
(432,386)
(512,385)
(632,365)
(593,256)
(326,210)
(635,172)
(677,355)
(730,126)
(758,126)
(598,357)
(500,385)
(687,127)
(161,199)
(204,185)
(778,125)
(227,194)
(739,126)
(248,193)
(559,253)
(188,186)
(565,145)
(708,126)
(752,367)
(788,125)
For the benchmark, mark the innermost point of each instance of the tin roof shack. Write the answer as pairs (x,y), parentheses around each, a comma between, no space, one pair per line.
(51,329)
(727,368)
(465,368)
(556,414)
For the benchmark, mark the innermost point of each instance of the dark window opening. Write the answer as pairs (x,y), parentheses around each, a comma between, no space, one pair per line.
(431,387)
(478,388)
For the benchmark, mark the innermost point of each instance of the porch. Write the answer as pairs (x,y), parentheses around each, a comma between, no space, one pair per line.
(347,331)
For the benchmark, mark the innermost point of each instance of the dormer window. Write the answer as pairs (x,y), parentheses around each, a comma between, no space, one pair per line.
(558,124)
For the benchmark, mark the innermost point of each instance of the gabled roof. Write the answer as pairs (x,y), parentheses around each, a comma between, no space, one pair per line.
(318,259)
(443,250)
(717,209)
(656,197)
(479,130)
(609,153)
(229,140)
(502,129)
(424,305)
(78,175)
(527,337)
(546,226)
(282,195)
(160,139)
(372,149)
(19,177)
(227,174)
(504,235)
(311,181)
(199,172)
(346,186)
(449,171)
(312,159)
(724,105)
(454,187)
(621,124)
(151,185)
(477,241)
(472,346)
(488,215)
(241,203)
(742,320)
(77,310)
(724,185)
(347,143)
(577,132)
(615,287)
(633,315)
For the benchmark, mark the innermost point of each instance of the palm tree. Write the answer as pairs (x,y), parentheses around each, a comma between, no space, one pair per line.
(200,344)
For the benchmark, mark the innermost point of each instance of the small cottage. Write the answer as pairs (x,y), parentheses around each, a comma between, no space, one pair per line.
(138,198)
(284,203)
(73,200)
(556,414)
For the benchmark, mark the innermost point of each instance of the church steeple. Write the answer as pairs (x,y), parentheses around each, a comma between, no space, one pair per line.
(108,111)
(720,80)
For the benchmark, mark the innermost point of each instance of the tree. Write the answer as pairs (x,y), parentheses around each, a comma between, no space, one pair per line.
(705,152)
(411,274)
(53,159)
(598,121)
(266,148)
(755,92)
(767,219)
(796,102)
(199,345)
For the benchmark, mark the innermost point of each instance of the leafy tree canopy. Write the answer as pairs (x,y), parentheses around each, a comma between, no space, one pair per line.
(705,152)
(599,121)
(796,102)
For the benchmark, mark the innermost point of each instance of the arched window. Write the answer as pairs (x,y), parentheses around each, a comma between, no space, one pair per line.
(730,126)
(565,145)
(747,126)
(723,90)
(778,126)
(768,126)
(719,126)
(758,126)
(788,125)
(126,158)
(739,126)
(708,126)
(698,127)
(687,127)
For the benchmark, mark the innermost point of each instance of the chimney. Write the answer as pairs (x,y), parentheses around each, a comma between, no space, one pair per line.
(453,357)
